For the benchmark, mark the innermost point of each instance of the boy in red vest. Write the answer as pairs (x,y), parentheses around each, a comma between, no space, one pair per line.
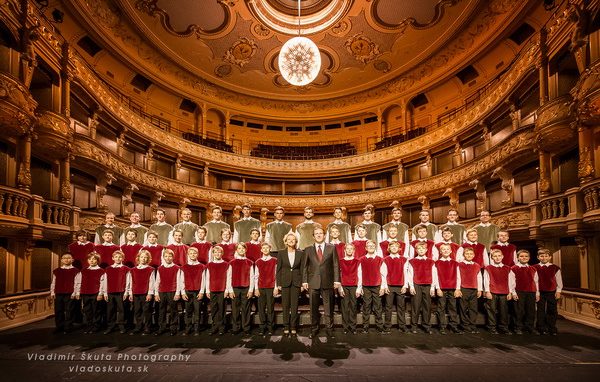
(116,283)
(80,249)
(193,282)
(372,283)
(265,288)
(217,287)
(509,251)
(334,239)
(471,288)
(179,249)
(422,281)
(481,255)
(550,284)
(89,293)
(360,244)
(349,273)
(432,252)
(62,291)
(131,248)
(142,292)
(227,245)
(253,247)
(242,284)
(106,249)
(447,239)
(167,291)
(497,293)
(525,292)
(154,248)
(202,246)
(392,235)
(447,290)
(397,284)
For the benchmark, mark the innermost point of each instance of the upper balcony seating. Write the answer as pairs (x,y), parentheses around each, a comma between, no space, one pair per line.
(208,142)
(399,138)
(303,152)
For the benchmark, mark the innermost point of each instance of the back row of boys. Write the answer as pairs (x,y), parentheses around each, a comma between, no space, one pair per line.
(131,239)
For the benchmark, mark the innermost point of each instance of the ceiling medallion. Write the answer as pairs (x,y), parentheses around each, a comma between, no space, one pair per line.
(299,59)
(241,52)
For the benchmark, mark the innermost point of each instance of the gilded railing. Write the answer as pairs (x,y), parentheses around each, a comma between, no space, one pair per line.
(14,202)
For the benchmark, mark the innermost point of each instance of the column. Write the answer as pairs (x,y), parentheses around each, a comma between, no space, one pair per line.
(585,170)
(243,184)
(283,188)
(24,160)
(545,182)
(203,125)
(206,175)
(322,187)
(515,116)
(66,76)
(429,163)
(542,66)
(227,132)
(121,143)
(364,183)
(400,171)
(65,179)
(457,157)
(486,135)
(380,124)
(150,161)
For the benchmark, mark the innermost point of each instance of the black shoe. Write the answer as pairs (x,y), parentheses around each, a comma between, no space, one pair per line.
(518,331)
(384,331)
(146,333)
(221,332)
(354,332)
(456,330)
(414,331)
(173,333)
(246,333)
(329,332)
(122,331)
(366,330)
(402,330)
(261,332)
(345,331)
(212,332)
(159,332)
(293,333)
(474,331)
(196,333)
(493,331)
(270,331)
(313,334)
(184,333)
(235,331)
(428,331)
(443,331)
(108,331)
(506,332)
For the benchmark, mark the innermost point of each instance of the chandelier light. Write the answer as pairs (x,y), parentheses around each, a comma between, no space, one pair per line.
(299,59)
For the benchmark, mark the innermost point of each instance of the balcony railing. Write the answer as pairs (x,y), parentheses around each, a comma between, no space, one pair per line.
(14,202)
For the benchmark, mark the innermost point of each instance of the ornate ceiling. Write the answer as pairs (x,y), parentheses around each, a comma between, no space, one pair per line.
(373,51)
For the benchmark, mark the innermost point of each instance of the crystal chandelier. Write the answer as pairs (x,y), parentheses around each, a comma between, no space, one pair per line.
(299,59)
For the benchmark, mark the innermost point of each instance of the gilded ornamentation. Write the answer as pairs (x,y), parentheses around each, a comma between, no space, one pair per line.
(241,52)
(151,8)
(127,199)
(480,194)
(362,48)
(506,185)
(261,30)
(10,309)
(411,21)
(585,167)
(222,71)
(453,195)
(382,66)
(341,27)
(103,181)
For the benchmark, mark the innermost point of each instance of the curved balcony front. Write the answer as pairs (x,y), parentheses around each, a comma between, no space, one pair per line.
(17,106)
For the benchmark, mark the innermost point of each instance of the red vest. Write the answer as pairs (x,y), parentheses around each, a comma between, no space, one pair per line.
(253,251)
(180,253)
(80,253)
(240,272)
(106,252)
(130,252)
(452,245)
(218,276)
(430,245)
(371,271)
(64,281)
(116,279)
(90,280)
(395,270)
(168,278)
(447,272)
(203,251)
(341,250)
(266,272)
(478,249)
(140,280)
(468,275)
(192,276)
(547,277)
(508,253)
(524,278)
(228,251)
(422,271)
(156,254)
(360,248)
(349,272)
(498,279)
(385,245)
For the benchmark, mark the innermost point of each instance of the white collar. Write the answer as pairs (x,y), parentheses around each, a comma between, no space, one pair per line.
(309,221)
(278,221)
(545,265)
(426,223)
(201,241)
(422,239)
(254,242)
(193,262)
(349,258)
(107,244)
(444,258)
(218,261)
(225,242)
(248,218)
(84,243)
(142,266)
(95,267)
(497,265)
(471,242)
(485,224)
(109,225)
(395,255)
(238,257)
(421,257)
(216,221)
(335,241)
(168,265)
(451,223)
(152,245)
(186,222)
(367,222)
(371,255)
(392,239)
(160,223)
(468,262)
(396,222)
(361,239)
(177,244)
(522,265)
(117,265)
(131,243)
(338,221)
(66,266)
(266,258)
(138,225)
(502,244)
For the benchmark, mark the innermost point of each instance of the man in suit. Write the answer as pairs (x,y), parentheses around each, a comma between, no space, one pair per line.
(320,275)
(288,276)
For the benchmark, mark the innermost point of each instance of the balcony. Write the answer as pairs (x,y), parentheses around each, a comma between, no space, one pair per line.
(16,106)
(55,134)
(553,125)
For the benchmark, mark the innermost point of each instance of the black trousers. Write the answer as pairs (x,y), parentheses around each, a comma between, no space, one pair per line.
(496,309)
(446,304)
(64,307)
(115,311)
(217,311)
(240,309)
(142,312)
(289,304)
(395,297)
(349,308)
(168,303)
(372,305)
(266,308)
(328,303)
(547,312)
(525,311)
(91,312)
(192,310)
(421,305)
(468,308)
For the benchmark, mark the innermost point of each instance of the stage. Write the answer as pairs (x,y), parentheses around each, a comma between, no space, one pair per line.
(33,352)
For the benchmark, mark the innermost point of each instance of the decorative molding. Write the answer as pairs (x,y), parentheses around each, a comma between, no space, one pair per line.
(411,21)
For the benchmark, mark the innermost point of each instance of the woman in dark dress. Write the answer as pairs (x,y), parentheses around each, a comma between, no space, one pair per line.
(289,281)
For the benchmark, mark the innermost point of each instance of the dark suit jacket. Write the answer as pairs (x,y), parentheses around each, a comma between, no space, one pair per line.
(289,274)
(321,274)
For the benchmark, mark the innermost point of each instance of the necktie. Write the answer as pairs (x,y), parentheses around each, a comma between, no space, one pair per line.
(320,254)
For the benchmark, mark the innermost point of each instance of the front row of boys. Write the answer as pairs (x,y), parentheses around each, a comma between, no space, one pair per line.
(369,276)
